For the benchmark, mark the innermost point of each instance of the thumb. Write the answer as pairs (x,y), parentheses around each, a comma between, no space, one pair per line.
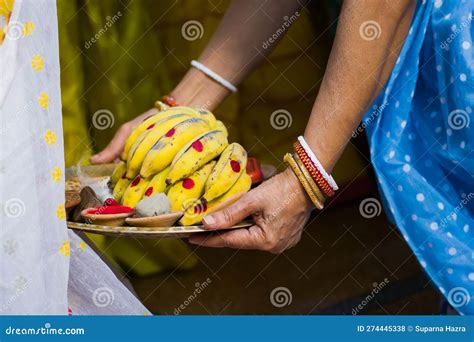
(233,214)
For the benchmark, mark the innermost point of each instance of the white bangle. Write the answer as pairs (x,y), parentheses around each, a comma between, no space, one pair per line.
(316,162)
(216,77)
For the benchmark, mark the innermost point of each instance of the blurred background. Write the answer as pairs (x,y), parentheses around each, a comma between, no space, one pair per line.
(122,55)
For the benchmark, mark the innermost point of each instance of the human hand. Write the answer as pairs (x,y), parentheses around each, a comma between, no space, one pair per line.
(280,209)
(115,148)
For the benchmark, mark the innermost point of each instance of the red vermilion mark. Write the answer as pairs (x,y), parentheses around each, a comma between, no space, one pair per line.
(235,165)
(124,175)
(170,133)
(111,202)
(197,145)
(200,208)
(188,183)
(104,210)
(135,181)
(149,191)
(150,127)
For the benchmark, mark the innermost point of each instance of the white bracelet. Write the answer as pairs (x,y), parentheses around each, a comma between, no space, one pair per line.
(316,162)
(216,77)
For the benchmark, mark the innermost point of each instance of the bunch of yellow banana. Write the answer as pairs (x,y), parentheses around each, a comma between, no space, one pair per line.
(184,153)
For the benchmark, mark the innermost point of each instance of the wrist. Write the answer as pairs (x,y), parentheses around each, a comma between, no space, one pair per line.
(294,185)
(198,90)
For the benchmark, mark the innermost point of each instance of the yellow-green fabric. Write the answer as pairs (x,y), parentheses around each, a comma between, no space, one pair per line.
(142,55)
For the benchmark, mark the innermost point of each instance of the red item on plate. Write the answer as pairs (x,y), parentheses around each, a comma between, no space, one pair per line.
(111,202)
(107,210)
(254,170)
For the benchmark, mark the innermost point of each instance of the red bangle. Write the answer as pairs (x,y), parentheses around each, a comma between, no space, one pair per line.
(313,170)
(169,100)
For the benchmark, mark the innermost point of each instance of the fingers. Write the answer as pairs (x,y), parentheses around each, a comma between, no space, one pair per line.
(113,149)
(232,214)
(252,238)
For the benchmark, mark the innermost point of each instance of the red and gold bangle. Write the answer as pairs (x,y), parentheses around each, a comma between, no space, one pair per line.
(291,162)
(316,190)
(313,170)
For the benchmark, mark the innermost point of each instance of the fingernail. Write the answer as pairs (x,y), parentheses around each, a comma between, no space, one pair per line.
(208,220)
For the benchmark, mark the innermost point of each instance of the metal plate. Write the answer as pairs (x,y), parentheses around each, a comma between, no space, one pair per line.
(147,232)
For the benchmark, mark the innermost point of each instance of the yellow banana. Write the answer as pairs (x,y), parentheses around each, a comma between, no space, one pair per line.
(119,171)
(201,208)
(221,127)
(157,184)
(120,187)
(184,193)
(134,192)
(207,116)
(152,120)
(195,154)
(162,153)
(136,157)
(228,169)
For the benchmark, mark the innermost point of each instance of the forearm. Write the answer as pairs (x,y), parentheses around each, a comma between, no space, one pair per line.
(356,72)
(235,49)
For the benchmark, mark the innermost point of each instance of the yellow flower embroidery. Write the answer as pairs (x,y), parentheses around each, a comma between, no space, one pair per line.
(56,174)
(65,248)
(28,29)
(82,245)
(61,212)
(37,63)
(50,137)
(43,100)
(6,7)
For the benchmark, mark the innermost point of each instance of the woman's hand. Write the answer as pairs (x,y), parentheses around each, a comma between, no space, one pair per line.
(115,147)
(280,208)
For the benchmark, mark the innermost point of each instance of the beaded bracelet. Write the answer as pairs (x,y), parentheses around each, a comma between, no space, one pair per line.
(316,190)
(290,161)
(313,171)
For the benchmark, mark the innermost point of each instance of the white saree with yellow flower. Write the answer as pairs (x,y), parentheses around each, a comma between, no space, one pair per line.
(44,268)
